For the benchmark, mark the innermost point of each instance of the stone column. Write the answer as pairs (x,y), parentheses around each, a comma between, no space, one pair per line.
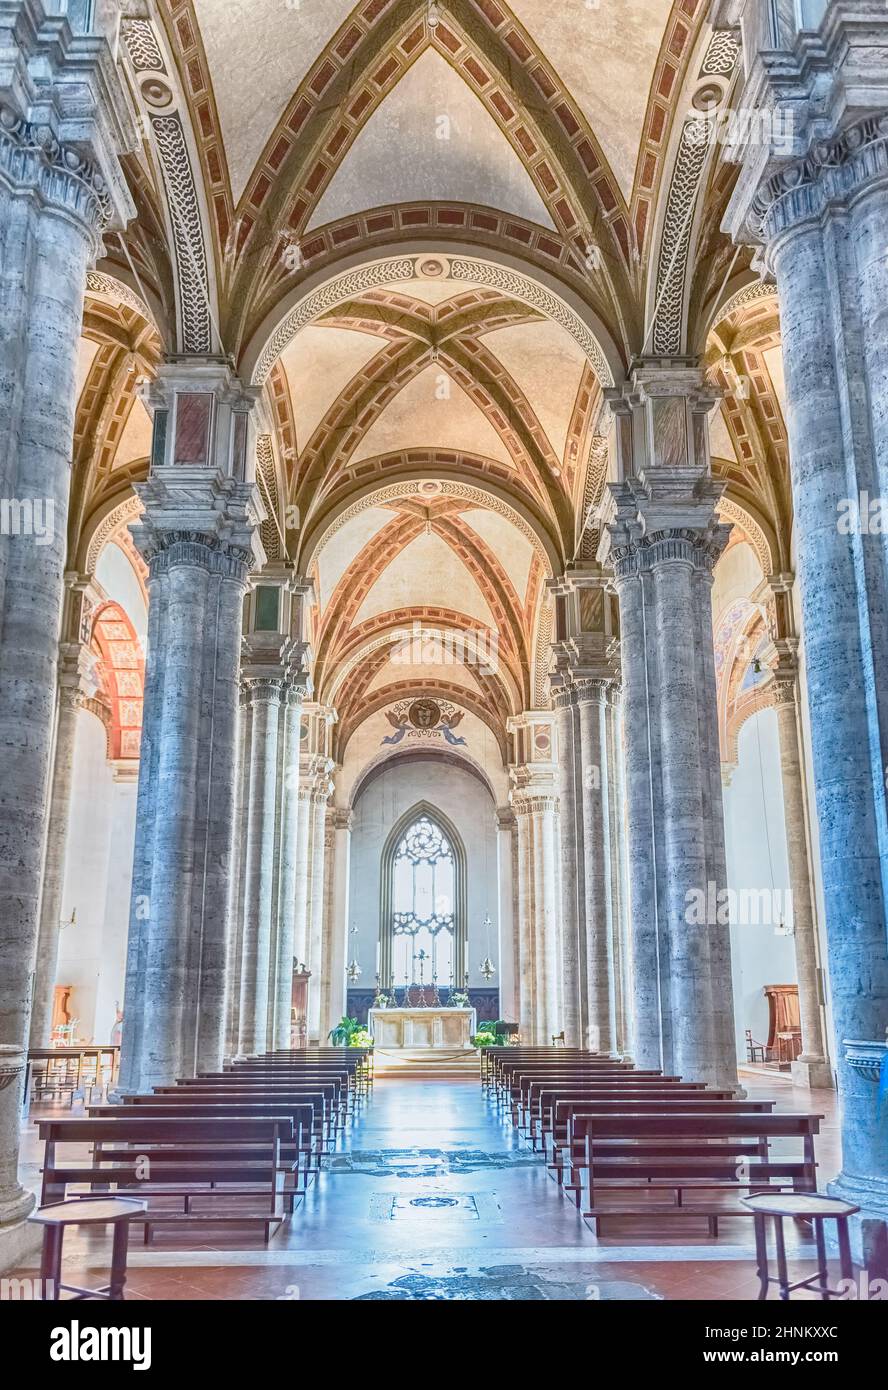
(318,966)
(817,206)
(301,871)
(573,905)
(545,890)
(535,805)
(63,122)
(591,698)
(73,683)
(199,534)
(264,694)
(811,1067)
(507,960)
(339,824)
(290,849)
(526,965)
(236,901)
(663,541)
(619,915)
(315,791)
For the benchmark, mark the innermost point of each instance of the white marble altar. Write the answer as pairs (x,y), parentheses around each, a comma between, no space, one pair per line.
(422,1028)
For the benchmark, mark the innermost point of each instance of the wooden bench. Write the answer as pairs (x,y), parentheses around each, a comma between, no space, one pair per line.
(725,1152)
(302,1151)
(543,1095)
(240,1160)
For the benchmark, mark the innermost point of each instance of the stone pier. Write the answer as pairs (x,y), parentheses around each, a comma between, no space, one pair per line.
(198,533)
(64,121)
(818,212)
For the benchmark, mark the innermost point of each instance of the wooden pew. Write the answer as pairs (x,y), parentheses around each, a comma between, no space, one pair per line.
(241,1160)
(724,1153)
(298,1154)
(542,1096)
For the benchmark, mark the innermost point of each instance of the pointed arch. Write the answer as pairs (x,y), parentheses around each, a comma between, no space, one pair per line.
(423,810)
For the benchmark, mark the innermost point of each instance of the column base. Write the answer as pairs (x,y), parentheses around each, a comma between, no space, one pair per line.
(869,1229)
(814,1073)
(19,1242)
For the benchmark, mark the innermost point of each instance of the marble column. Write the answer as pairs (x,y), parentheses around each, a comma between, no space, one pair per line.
(662,541)
(64,120)
(320,795)
(534,803)
(73,684)
(289,862)
(573,891)
(600,961)
(264,694)
(234,952)
(617,828)
(339,826)
(199,534)
(301,870)
(651,1037)
(811,1067)
(526,972)
(818,211)
(507,955)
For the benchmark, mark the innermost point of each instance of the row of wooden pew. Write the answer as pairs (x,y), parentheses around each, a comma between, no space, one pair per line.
(624,1142)
(234,1147)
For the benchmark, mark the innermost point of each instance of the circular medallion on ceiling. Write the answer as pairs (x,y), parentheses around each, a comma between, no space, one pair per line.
(431,267)
(429,487)
(156,93)
(708,96)
(424,714)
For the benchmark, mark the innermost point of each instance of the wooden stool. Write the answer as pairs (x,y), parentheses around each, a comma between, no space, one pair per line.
(810,1206)
(85,1211)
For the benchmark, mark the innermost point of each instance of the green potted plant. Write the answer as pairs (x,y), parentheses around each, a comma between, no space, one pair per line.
(483,1039)
(342,1034)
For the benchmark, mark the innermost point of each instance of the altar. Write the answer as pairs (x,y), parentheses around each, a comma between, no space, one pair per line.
(422,1028)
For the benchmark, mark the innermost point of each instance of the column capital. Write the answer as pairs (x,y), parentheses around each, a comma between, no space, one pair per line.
(505,818)
(532,788)
(343,818)
(814,131)
(263,689)
(665,495)
(196,516)
(65,117)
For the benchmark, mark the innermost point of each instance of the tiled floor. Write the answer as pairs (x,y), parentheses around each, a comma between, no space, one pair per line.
(431,1195)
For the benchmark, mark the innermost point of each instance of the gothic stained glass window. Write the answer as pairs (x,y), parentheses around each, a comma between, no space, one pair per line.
(423,897)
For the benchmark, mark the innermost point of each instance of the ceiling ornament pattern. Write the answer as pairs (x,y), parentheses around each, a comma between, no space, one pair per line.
(513,283)
(186,222)
(329,296)
(462,491)
(694,149)
(99,283)
(115,520)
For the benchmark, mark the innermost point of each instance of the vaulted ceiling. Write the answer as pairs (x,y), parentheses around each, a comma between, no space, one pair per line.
(431,232)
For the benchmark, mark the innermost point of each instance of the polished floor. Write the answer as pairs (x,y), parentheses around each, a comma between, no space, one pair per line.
(431,1195)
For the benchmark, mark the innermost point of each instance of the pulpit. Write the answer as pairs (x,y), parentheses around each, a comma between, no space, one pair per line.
(422,1029)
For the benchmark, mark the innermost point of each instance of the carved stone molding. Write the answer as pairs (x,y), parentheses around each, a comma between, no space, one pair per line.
(31,157)
(831,173)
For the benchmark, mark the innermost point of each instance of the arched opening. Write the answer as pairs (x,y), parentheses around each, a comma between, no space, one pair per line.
(422,919)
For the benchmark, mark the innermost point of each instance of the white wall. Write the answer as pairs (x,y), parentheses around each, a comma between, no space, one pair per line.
(754,814)
(468,805)
(98,874)
(86,872)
